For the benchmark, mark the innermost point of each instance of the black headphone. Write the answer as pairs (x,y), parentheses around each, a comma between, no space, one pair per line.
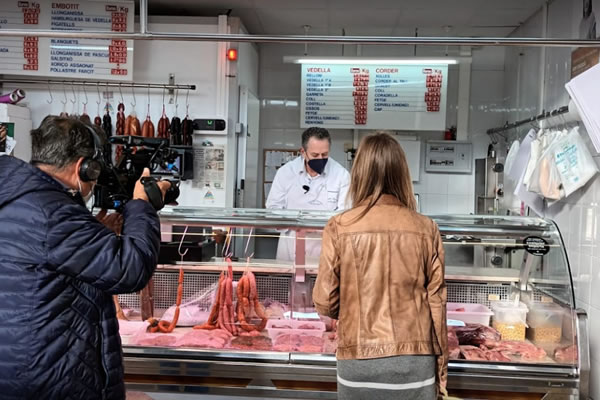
(91,167)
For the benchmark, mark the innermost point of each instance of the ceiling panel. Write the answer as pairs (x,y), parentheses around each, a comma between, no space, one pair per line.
(290,4)
(499,17)
(353,20)
(291,21)
(498,31)
(250,19)
(363,17)
(425,17)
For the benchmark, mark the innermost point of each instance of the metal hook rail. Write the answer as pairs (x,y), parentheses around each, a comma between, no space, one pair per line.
(145,34)
(96,83)
(543,115)
(367,40)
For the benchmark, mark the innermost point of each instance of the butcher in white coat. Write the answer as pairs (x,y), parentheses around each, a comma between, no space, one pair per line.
(313,181)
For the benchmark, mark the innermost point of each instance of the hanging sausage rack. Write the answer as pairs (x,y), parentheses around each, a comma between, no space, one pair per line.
(99,83)
(542,116)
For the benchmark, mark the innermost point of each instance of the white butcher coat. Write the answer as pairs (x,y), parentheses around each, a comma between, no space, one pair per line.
(327,192)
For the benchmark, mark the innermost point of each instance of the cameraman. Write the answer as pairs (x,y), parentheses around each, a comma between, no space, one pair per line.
(60,266)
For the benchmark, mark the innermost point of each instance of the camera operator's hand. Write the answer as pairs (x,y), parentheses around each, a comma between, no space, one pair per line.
(139,193)
(114,221)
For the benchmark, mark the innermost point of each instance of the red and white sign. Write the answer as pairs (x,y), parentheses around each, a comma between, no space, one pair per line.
(406,97)
(67,58)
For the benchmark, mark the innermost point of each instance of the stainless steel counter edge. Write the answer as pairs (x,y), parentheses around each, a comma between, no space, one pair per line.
(198,354)
(313,270)
(301,219)
(324,360)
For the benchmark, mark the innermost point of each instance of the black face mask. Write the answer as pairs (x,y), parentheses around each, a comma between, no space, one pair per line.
(317,165)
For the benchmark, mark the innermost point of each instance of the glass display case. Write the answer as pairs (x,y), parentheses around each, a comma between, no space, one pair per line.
(246,324)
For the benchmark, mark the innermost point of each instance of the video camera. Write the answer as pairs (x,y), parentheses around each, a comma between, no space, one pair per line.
(116,182)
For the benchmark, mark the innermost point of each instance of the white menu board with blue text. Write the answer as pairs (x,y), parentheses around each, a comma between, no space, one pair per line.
(70,57)
(401,97)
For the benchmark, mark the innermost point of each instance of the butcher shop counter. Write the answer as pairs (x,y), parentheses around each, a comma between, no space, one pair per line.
(514,329)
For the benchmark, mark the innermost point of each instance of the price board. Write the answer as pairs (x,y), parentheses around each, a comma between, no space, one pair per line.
(67,57)
(403,97)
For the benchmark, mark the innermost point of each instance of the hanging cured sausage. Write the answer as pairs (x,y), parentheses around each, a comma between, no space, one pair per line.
(176,131)
(186,131)
(132,125)
(107,123)
(120,128)
(163,126)
(148,127)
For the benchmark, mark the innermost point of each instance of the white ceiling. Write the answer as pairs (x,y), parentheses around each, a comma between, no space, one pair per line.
(363,17)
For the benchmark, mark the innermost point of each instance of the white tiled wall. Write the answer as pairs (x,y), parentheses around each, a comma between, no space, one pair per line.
(279,91)
(578,216)
(445,193)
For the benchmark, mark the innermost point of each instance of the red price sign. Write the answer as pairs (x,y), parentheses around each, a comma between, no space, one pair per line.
(433,94)
(31,13)
(117,52)
(119,22)
(118,71)
(30,53)
(360,82)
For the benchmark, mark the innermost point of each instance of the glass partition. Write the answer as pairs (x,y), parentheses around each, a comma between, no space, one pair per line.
(510,297)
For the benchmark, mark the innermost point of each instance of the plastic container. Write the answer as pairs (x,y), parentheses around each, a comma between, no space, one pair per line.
(276,327)
(545,322)
(510,319)
(469,313)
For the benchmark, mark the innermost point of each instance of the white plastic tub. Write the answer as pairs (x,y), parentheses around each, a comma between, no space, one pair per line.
(469,313)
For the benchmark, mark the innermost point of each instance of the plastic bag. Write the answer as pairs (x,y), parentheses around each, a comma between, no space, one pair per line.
(194,311)
(510,157)
(545,179)
(534,156)
(573,161)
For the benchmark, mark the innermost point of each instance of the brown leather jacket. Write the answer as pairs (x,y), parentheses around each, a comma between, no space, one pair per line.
(382,277)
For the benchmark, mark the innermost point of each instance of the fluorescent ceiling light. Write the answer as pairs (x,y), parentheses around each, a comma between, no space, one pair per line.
(369,61)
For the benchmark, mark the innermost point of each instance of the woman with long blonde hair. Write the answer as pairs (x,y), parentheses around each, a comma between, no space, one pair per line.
(381,274)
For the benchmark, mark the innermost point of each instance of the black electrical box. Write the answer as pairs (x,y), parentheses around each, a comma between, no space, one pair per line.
(209,124)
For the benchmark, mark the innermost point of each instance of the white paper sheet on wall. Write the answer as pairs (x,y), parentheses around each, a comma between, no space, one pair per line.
(270,173)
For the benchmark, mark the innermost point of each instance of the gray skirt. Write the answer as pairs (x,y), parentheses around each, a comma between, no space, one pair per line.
(400,377)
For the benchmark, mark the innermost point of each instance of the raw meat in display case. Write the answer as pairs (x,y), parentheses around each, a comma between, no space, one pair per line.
(476,334)
(292,356)
(216,339)
(566,354)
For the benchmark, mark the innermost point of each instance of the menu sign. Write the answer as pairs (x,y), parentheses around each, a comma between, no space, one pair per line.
(407,97)
(68,57)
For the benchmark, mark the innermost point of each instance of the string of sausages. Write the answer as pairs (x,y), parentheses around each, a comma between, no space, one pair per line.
(166,326)
(223,314)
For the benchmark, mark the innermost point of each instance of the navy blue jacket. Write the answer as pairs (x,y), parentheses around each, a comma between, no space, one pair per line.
(59,266)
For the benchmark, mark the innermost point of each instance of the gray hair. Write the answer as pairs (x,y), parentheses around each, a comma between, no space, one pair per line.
(61,141)
(317,133)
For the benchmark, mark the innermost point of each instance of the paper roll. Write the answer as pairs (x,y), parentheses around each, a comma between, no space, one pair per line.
(12,98)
